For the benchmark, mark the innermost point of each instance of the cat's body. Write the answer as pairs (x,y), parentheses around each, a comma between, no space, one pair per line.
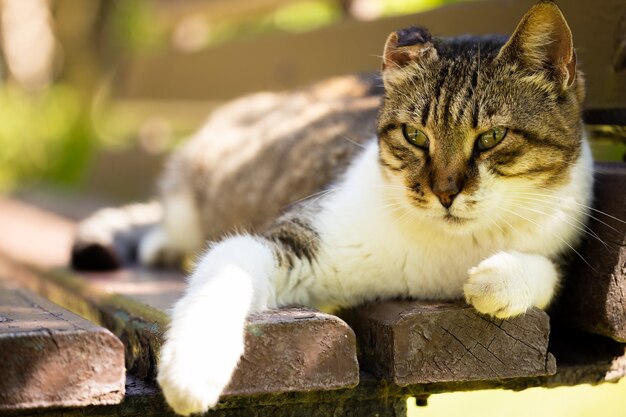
(477,183)
(231,174)
(350,258)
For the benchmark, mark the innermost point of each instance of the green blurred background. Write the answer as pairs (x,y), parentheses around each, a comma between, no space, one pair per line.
(90,85)
(96,91)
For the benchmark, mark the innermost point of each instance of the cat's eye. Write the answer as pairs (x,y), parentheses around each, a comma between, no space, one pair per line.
(491,138)
(415,136)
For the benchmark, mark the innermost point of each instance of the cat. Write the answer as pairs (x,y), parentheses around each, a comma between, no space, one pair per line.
(475,186)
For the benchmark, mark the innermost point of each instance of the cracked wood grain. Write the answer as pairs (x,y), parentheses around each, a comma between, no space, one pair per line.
(410,342)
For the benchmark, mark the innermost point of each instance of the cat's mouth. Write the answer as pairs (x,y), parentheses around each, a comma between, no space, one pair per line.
(451,218)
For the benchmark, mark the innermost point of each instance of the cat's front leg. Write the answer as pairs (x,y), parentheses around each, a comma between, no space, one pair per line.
(206,336)
(509,283)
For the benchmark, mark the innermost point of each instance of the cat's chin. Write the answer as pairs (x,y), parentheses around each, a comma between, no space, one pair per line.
(458,225)
(455,220)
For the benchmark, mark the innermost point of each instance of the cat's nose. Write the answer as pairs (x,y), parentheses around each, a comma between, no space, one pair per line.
(447,190)
(446,197)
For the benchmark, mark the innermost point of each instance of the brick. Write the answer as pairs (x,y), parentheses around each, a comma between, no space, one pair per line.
(594,294)
(409,342)
(296,349)
(50,357)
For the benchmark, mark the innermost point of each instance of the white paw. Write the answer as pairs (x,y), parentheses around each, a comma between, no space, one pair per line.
(193,380)
(499,286)
(155,249)
(189,394)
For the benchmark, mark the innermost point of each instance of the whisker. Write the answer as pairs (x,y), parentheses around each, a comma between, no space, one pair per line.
(494,222)
(591,216)
(561,239)
(555,197)
(584,229)
(360,145)
(397,219)
(318,194)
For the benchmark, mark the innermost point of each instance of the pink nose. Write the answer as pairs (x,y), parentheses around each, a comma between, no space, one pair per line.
(446,189)
(446,197)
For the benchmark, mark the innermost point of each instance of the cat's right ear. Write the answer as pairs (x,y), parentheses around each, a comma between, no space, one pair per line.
(405,46)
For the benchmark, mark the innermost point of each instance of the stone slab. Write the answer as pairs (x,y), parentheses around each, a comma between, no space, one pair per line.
(296,349)
(409,342)
(594,294)
(50,357)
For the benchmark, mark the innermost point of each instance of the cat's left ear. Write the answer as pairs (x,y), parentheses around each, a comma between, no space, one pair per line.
(543,40)
(405,46)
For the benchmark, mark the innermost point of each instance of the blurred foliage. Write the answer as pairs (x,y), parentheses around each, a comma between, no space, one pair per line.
(400,7)
(52,134)
(139,27)
(136,26)
(306,15)
(43,135)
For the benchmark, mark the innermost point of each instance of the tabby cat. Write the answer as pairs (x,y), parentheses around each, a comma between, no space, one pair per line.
(474,187)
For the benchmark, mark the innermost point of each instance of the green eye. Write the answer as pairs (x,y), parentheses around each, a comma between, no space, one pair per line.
(415,136)
(491,138)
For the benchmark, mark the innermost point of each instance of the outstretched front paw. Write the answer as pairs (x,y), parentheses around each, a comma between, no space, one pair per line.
(186,389)
(189,395)
(499,286)
(193,378)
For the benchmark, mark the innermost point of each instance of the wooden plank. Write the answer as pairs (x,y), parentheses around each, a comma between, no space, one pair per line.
(50,357)
(286,350)
(594,294)
(582,360)
(295,349)
(285,61)
(409,342)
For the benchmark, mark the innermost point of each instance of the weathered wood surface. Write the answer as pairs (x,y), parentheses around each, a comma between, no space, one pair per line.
(139,326)
(286,61)
(50,357)
(581,360)
(594,294)
(295,349)
(286,350)
(370,398)
(409,342)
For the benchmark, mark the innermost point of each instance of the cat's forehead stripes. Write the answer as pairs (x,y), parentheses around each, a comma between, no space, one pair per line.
(453,91)
(463,89)
(467,102)
(445,92)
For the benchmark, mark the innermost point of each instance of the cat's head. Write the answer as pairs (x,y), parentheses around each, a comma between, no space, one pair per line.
(470,124)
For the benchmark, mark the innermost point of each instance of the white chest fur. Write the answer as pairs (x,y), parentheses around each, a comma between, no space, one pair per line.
(372,250)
